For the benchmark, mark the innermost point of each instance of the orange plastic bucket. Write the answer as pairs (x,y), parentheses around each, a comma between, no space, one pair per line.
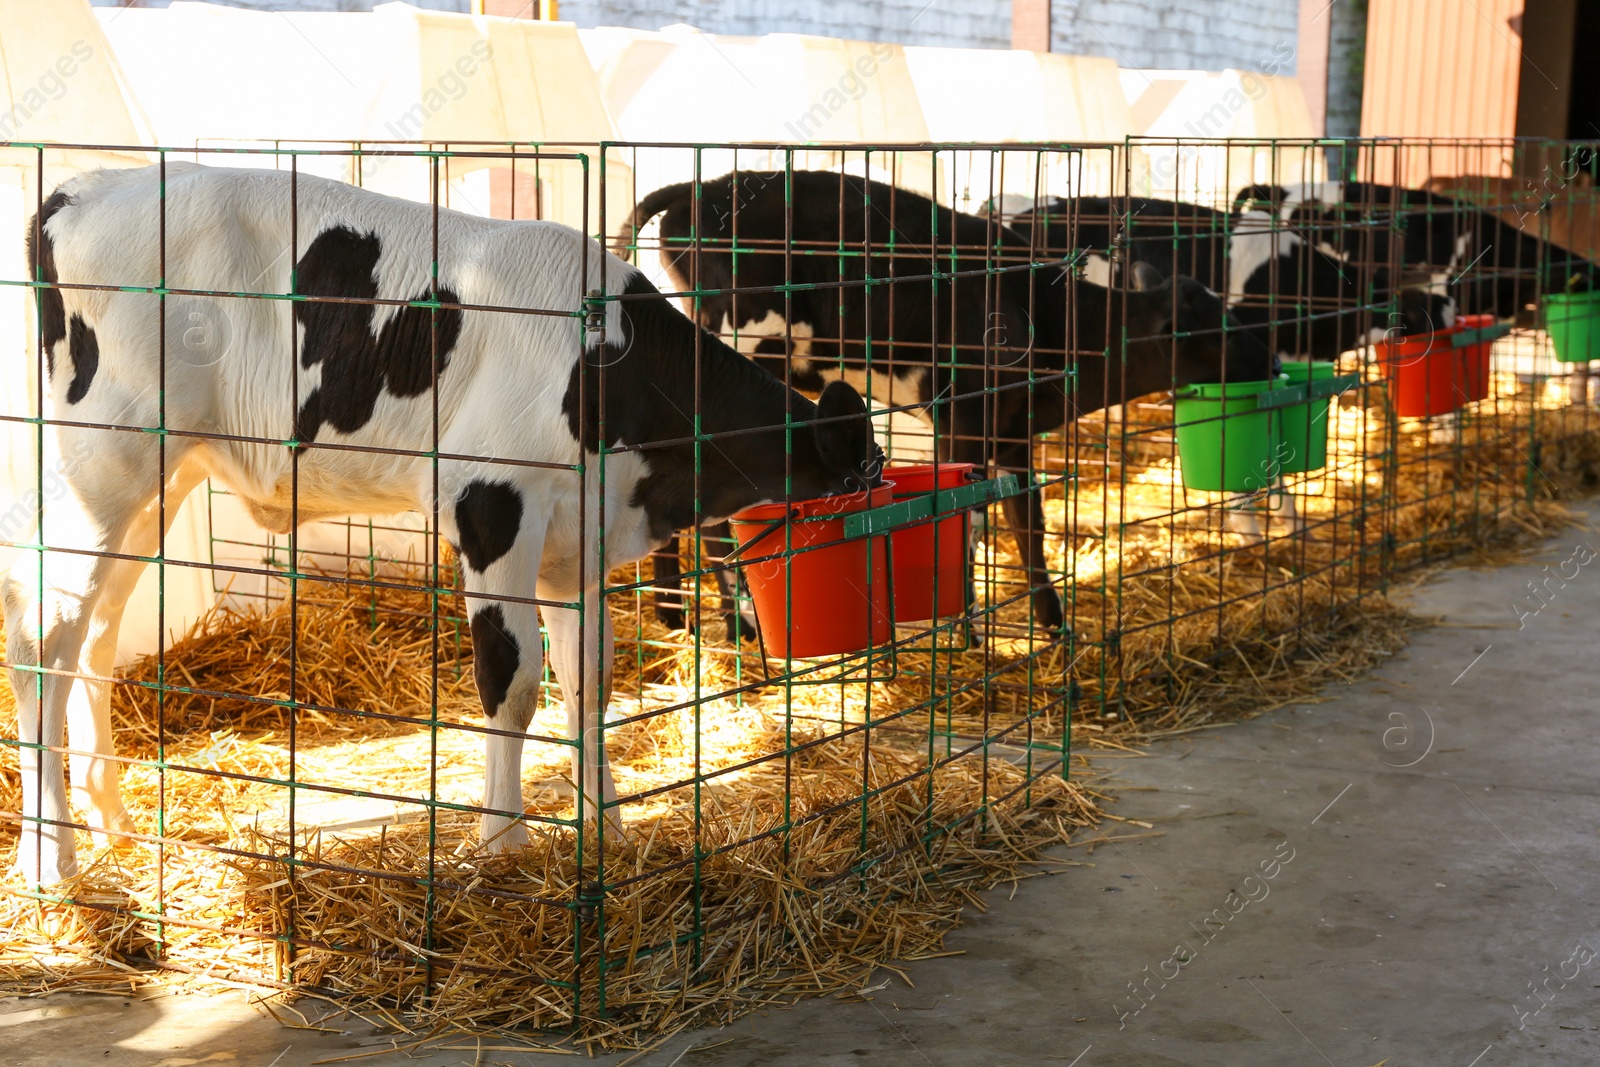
(1427,375)
(828,596)
(1476,371)
(930,557)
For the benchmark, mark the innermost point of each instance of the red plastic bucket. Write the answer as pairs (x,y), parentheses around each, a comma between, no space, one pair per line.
(931,555)
(1427,375)
(827,597)
(1476,356)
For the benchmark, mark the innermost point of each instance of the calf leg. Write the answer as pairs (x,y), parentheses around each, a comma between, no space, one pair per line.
(1241,517)
(1025,513)
(738,614)
(50,598)
(581,642)
(670,602)
(501,543)
(95,776)
(669,599)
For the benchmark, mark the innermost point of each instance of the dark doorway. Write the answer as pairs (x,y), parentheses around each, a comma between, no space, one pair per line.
(1583,98)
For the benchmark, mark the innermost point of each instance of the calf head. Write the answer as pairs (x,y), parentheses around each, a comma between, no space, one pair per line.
(828,449)
(1198,337)
(841,455)
(1421,312)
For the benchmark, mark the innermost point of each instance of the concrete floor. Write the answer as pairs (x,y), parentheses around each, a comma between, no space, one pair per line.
(1423,853)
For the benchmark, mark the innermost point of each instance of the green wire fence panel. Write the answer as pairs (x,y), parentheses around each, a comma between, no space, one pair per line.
(718,583)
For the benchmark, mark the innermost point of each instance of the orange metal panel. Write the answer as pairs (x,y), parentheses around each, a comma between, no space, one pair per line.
(1441,69)
(1030,25)
(1311,64)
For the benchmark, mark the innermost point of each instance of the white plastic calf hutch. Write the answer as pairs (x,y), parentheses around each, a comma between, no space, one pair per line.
(687,87)
(61,82)
(988,95)
(395,74)
(1194,108)
(360,79)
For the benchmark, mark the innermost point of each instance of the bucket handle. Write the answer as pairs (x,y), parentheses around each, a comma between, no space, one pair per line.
(792,513)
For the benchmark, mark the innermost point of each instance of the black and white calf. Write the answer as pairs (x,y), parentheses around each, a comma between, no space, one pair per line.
(1287,279)
(1441,243)
(333,402)
(982,352)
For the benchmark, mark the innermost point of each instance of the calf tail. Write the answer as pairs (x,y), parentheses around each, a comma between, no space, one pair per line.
(42,268)
(663,199)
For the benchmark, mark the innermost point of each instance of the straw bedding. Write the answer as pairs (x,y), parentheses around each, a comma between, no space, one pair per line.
(752,869)
(786,914)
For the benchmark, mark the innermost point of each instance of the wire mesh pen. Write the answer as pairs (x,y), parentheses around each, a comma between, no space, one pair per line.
(301,723)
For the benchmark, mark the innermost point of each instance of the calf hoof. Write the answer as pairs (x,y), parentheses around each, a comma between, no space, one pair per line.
(671,618)
(1244,524)
(618,845)
(738,629)
(45,866)
(1047,612)
(117,830)
(501,834)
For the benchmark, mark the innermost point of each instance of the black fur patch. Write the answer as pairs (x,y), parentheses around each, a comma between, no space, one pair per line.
(648,379)
(85,349)
(356,366)
(495,656)
(42,267)
(489,516)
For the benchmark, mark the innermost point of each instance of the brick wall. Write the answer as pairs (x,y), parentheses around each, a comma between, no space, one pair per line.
(955,23)
(1175,34)
(1203,34)
(298,5)
(1181,34)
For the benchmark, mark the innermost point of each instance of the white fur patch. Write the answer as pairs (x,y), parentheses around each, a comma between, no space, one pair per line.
(888,388)
(1333,251)
(1254,244)
(1097,269)
(1329,192)
(754,331)
(745,338)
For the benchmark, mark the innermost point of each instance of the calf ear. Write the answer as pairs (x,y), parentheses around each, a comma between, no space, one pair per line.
(846,442)
(1146,276)
(1260,197)
(1009,334)
(1198,307)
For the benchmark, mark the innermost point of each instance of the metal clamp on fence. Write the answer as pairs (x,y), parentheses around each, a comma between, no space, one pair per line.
(594,317)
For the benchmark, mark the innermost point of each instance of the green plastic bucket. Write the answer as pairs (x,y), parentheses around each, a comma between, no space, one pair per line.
(1226,443)
(1573,321)
(1305,426)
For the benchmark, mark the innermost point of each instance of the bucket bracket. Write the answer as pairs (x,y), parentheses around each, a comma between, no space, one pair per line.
(927,505)
(1480,334)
